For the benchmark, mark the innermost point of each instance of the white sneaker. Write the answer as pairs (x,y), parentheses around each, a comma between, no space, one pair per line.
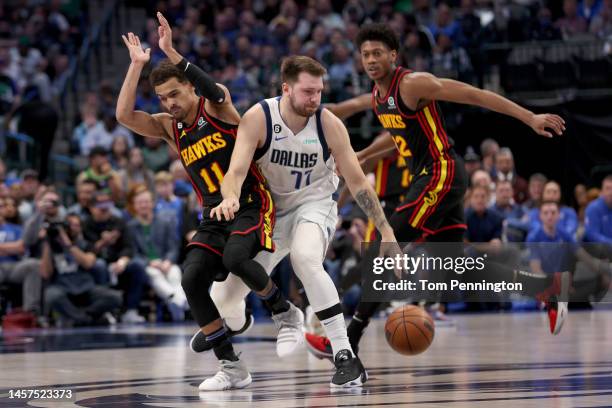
(290,325)
(232,375)
(132,317)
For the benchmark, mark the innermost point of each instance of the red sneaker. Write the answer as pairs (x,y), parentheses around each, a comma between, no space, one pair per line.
(319,346)
(557,313)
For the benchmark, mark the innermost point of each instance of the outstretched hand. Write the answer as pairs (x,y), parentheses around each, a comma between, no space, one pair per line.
(542,123)
(137,54)
(165,33)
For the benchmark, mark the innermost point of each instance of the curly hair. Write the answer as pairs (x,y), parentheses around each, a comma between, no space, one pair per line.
(165,71)
(378,32)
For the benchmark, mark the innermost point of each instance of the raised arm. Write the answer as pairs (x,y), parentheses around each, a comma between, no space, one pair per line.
(418,88)
(351,106)
(250,136)
(338,141)
(218,99)
(140,122)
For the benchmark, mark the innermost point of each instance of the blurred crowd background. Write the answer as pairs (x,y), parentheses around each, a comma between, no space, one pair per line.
(94,218)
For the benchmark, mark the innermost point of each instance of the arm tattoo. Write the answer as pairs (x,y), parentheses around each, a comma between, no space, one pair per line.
(371,207)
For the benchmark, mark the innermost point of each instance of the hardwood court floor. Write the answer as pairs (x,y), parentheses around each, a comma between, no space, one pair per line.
(492,360)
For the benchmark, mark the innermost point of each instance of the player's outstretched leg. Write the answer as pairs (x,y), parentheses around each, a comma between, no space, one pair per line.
(198,272)
(307,252)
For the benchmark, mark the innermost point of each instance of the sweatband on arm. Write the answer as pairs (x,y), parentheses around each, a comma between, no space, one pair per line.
(203,82)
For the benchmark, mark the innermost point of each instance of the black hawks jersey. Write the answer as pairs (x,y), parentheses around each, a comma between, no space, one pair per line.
(392,176)
(205,149)
(420,136)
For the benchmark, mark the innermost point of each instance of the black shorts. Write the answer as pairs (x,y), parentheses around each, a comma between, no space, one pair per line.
(434,200)
(256,216)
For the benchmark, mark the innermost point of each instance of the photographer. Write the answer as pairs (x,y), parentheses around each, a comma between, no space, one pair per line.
(68,262)
(112,243)
(48,211)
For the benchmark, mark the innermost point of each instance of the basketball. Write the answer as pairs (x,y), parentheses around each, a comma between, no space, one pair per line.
(409,330)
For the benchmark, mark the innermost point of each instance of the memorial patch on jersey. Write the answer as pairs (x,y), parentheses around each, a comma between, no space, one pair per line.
(293,159)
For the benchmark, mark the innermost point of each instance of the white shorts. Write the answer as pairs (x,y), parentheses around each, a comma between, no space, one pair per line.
(324,214)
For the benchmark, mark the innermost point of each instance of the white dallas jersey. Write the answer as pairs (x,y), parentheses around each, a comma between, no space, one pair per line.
(298,167)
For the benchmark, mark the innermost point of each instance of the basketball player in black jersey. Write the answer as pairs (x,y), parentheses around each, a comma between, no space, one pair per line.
(432,210)
(202,130)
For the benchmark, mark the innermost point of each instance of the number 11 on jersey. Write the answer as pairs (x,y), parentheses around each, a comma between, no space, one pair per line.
(216,170)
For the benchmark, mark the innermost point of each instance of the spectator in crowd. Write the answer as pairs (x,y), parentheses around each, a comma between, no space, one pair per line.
(568,220)
(67,263)
(472,161)
(543,256)
(571,23)
(166,201)
(504,201)
(504,170)
(49,210)
(112,243)
(85,191)
(115,129)
(534,191)
(483,224)
(445,23)
(119,153)
(30,185)
(146,100)
(155,153)
(13,268)
(90,132)
(101,171)
(449,61)
(488,151)
(11,213)
(482,178)
(601,25)
(589,9)
(136,172)
(155,243)
(598,219)
(543,28)
(582,200)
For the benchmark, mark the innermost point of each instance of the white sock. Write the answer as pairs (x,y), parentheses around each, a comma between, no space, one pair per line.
(335,329)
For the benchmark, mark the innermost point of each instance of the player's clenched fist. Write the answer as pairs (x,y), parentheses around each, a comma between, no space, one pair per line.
(227,209)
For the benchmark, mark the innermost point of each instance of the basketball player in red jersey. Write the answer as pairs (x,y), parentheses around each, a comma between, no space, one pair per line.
(405,102)
(202,130)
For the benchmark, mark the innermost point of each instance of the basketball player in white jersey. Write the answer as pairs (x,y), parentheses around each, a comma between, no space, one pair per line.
(297,145)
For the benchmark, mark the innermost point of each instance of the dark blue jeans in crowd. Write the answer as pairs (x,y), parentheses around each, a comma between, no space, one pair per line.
(132,281)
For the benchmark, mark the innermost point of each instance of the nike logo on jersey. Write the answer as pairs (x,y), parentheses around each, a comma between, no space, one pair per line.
(280,138)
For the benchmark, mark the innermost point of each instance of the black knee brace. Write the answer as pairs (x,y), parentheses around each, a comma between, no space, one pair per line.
(237,258)
(198,275)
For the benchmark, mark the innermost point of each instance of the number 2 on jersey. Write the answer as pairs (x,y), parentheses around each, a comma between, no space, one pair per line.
(210,183)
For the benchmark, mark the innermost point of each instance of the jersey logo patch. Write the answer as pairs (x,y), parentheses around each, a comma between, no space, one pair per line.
(277,128)
(201,123)
(423,172)
(391,102)
(280,138)
(183,133)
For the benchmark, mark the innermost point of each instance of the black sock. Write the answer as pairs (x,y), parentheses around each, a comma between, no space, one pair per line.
(275,302)
(533,284)
(355,330)
(221,345)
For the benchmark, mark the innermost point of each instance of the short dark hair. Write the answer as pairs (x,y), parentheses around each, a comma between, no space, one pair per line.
(607,178)
(543,203)
(293,66)
(164,71)
(378,32)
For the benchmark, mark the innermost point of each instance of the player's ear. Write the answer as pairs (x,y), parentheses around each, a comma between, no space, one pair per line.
(393,55)
(285,87)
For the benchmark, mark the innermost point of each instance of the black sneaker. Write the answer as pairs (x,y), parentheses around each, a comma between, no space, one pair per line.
(198,343)
(349,371)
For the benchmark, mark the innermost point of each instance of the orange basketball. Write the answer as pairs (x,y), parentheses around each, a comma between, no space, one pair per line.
(409,330)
